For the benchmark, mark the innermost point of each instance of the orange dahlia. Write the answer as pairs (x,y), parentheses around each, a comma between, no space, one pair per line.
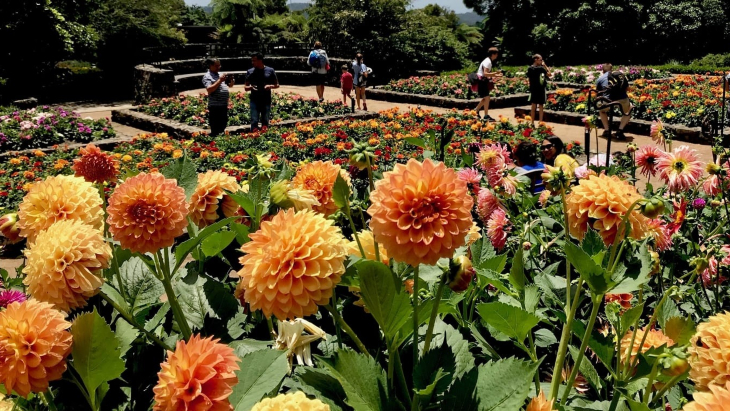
(199,375)
(96,166)
(59,198)
(34,344)
(210,192)
(601,202)
(539,403)
(64,265)
(421,212)
(368,244)
(290,402)
(292,264)
(320,177)
(708,352)
(147,212)
(624,300)
(654,338)
(717,399)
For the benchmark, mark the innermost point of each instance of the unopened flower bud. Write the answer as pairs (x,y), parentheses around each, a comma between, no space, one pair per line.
(278,194)
(555,179)
(9,227)
(700,264)
(712,168)
(656,265)
(715,203)
(631,147)
(699,203)
(526,245)
(461,273)
(652,208)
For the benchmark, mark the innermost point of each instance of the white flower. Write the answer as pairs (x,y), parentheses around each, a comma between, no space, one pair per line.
(292,338)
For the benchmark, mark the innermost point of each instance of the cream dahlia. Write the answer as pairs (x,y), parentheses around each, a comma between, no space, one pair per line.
(210,195)
(290,402)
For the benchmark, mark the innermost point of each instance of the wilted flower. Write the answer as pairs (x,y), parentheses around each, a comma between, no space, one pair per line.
(199,375)
(291,337)
(34,343)
(147,212)
(420,212)
(498,228)
(96,166)
(680,169)
(292,264)
(487,202)
(297,401)
(9,228)
(708,350)
(710,275)
(285,195)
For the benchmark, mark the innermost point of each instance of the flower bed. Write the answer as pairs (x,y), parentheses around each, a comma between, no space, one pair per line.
(192,110)
(455,86)
(589,74)
(684,100)
(48,126)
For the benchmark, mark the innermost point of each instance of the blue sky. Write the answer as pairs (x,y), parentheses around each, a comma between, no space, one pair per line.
(455,5)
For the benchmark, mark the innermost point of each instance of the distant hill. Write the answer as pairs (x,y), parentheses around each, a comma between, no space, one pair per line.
(470,18)
(208,9)
(298,6)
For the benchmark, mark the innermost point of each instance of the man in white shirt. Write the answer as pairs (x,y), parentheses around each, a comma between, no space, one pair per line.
(486,81)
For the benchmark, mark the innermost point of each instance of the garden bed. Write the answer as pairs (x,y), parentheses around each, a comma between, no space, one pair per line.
(377,93)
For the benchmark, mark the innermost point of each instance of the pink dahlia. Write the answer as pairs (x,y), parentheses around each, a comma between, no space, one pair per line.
(8,297)
(660,232)
(710,275)
(657,132)
(498,228)
(493,157)
(647,158)
(680,169)
(487,202)
(469,175)
(725,249)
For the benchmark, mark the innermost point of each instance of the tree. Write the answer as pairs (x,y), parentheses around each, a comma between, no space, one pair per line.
(239,21)
(195,16)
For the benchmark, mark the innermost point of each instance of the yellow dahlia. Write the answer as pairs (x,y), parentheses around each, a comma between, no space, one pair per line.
(210,192)
(539,403)
(147,212)
(96,166)
(368,244)
(709,352)
(64,265)
(717,399)
(199,375)
(290,402)
(601,202)
(421,212)
(655,338)
(292,264)
(320,177)
(34,344)
(59,198)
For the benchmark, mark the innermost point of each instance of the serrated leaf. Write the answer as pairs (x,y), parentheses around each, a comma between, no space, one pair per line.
(593,274)
(185,172)
(217,242)
(244,200)
(532,298)
(241,231)
(512,321)
(545,338)
(126,334)
(517,272)
(481,251)
(592,243)
(632,280)
(384,296)
(322,385)
(444,333)
(193,301)
(668,310)
(361,377)
(341,192)
(493,278)
(587,370)
(261,372)
(112,293)
(96,354)
(142,287)
(679,329)
(432,367)
(549,284)
(249,345)
(629,318)
(220,299)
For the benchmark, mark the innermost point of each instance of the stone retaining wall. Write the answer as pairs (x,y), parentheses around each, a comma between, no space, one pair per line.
(378,93)
(135,118)
(641,127)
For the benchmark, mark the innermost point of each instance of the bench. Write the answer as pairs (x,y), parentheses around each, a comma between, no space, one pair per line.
(184,82)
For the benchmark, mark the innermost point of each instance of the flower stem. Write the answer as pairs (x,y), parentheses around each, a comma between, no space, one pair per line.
(177,312)
(337,325)
(415,317)
(649,383)
(434,313)
(652,320)
(669,385)
(48,399)
(134,323)
(347,329)
(581,351)
(564,339)
(567,263)
(372,188)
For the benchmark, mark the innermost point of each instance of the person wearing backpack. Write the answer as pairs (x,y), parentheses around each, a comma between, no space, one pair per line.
(611,87)
(360,78)
(320,64)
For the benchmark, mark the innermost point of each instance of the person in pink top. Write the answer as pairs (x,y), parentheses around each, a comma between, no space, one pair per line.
(346,84)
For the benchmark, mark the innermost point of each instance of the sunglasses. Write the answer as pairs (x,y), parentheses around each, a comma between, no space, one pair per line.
(547,146)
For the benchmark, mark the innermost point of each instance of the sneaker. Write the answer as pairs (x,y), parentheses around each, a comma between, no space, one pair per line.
(365,107)
(620,135)
(487,117)
(321,100)
(606,134)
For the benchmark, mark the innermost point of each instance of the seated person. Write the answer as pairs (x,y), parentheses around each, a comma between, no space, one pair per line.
(526,162)
(553,154)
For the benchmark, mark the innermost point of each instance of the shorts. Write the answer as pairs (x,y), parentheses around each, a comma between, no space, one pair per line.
(346,90)
(485,86)
(624,103)
(537,96)
(319,79)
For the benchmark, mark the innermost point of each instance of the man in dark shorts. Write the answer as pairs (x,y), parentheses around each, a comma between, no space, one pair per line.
(260,80)
(486,81)
(538,74)
(216,84)
(320,63)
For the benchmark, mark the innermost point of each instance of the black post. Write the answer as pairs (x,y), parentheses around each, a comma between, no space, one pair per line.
(722,121)
(587,131)
(608,139)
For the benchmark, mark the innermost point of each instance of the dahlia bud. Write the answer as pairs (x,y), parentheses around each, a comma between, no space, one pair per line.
(712,168)
(461,273)
(631,148)
(555,179)
(674,363)
(362,154)
(700,264)
(652,208)
(278,194)
(526,245)
(656,265)
(9,227)
(264,161)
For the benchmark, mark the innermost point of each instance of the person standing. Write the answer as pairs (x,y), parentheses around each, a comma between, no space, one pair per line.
(260,80)
(538,74)
(346,83)
(613,93)
(217,84)
(320,64)
(360,78)
(486,81)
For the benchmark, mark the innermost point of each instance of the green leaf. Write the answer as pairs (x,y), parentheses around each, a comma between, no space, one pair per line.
(322,385)
(629,318)
(143,288)
(117,298)
(545,338)
(587,370)
(679,329)
(217,242)
(185,172)
(418,142)
(384,296)
(632,279)
(668,310)
(494,278)
(182,250)
(458,347)
(241,231)
(261,372)
(592,243)
(362,378)
(517,272)
(532,298)
(481,251)
(249,345)
(96,355)
(220,299)
(593,274)
(636,406)
(193,301)
(510,320)
(126,334)
(431,370)
(244,200)
(341,193)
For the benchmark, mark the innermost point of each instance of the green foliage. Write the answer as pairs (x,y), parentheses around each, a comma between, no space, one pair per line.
(261,372)
(384,296)
(361,378)
(512,321)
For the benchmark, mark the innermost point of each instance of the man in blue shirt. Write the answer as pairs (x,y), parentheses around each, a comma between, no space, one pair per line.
(217,84)
(260,80)
(617,96)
